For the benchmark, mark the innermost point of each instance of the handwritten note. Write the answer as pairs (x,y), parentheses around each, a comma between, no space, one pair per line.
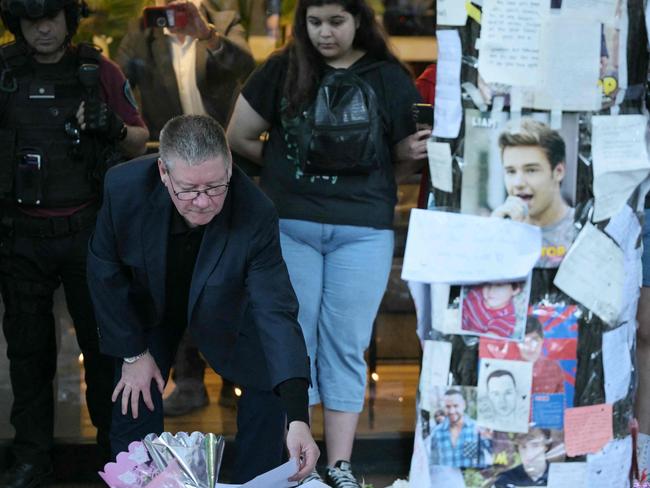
(447,112)
(451,12)
(611,466)
(443,247)
(592,273)
(567,475)
(587,429)
(620,158)
(617,361)
(510,41)
(570,66)
(439,154)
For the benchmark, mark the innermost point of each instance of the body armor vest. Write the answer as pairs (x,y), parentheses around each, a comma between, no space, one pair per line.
(48,162)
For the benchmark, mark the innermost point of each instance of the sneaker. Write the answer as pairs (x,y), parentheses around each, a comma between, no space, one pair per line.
(340,476)
(310,477)
(185,400)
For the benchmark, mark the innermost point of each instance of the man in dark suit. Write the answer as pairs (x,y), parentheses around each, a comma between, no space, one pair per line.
(188,241)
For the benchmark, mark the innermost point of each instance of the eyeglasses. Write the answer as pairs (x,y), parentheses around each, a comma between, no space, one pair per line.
(211,191)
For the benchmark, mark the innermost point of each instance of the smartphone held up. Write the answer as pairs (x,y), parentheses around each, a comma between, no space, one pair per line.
(170,16)
(423,115)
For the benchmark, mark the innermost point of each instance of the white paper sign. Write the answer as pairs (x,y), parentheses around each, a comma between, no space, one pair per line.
(443,247)
(602,10)
(447,111)
(510,41)
(620,159)
(451,12)
(617,362)
(570,66)
(439,154)
(567,475)
(436,359)
(592,273)
(610,467)
(278,478)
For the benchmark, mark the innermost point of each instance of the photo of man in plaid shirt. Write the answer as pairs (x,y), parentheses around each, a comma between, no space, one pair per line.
(457,440)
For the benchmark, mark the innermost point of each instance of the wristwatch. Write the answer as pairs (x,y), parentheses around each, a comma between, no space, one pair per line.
(133,359)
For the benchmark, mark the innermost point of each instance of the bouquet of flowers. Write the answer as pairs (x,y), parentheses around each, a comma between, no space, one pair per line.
(167,461)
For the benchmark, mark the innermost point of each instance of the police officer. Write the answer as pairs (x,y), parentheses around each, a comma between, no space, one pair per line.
(65,114)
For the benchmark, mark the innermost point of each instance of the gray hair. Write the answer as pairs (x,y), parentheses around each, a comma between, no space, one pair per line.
(193,139)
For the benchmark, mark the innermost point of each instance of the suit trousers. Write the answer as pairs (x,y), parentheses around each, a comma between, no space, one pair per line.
(32,269)
(259,443)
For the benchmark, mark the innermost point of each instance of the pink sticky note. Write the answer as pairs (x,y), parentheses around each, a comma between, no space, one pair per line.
(587,429)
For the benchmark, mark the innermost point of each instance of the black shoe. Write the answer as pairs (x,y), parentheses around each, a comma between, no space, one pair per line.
(25,475)
(185,400)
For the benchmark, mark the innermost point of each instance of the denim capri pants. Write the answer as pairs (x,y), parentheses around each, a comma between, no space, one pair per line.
(339,274)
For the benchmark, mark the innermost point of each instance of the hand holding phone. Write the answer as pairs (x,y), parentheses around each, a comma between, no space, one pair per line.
(172,16)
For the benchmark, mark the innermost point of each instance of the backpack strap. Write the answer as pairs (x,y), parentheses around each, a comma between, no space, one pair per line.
(375,65)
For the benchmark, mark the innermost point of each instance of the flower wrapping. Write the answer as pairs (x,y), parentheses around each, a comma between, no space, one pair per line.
(167,461)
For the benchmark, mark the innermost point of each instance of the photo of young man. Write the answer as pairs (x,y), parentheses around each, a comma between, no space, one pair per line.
(548,376)
(457,441)
(534,166)
(532,448)
(550,345)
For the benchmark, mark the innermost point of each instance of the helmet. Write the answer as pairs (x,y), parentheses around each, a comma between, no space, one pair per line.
(13,10)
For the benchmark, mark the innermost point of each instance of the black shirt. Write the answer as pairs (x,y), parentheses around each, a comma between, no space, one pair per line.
(361,200)
(182,251)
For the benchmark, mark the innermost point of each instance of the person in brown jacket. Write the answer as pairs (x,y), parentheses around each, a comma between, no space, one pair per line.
(156,62)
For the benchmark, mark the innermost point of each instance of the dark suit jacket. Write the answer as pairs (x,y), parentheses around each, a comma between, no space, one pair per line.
(242,310)
(144,56)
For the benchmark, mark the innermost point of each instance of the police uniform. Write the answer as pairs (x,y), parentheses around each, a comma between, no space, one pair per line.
(50,182)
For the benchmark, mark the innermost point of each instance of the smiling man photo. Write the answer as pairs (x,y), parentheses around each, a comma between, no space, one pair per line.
(534,165)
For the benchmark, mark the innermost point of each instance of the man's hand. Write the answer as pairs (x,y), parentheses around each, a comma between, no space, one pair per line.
(513,208)
(302,447)
(95,116)
(197,26)
(136,379)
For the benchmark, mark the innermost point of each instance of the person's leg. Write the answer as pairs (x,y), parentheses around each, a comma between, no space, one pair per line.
(301,250)
(125,429)
(98,368)
(357,266)
(259,444)
(28,284)
(188,374)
